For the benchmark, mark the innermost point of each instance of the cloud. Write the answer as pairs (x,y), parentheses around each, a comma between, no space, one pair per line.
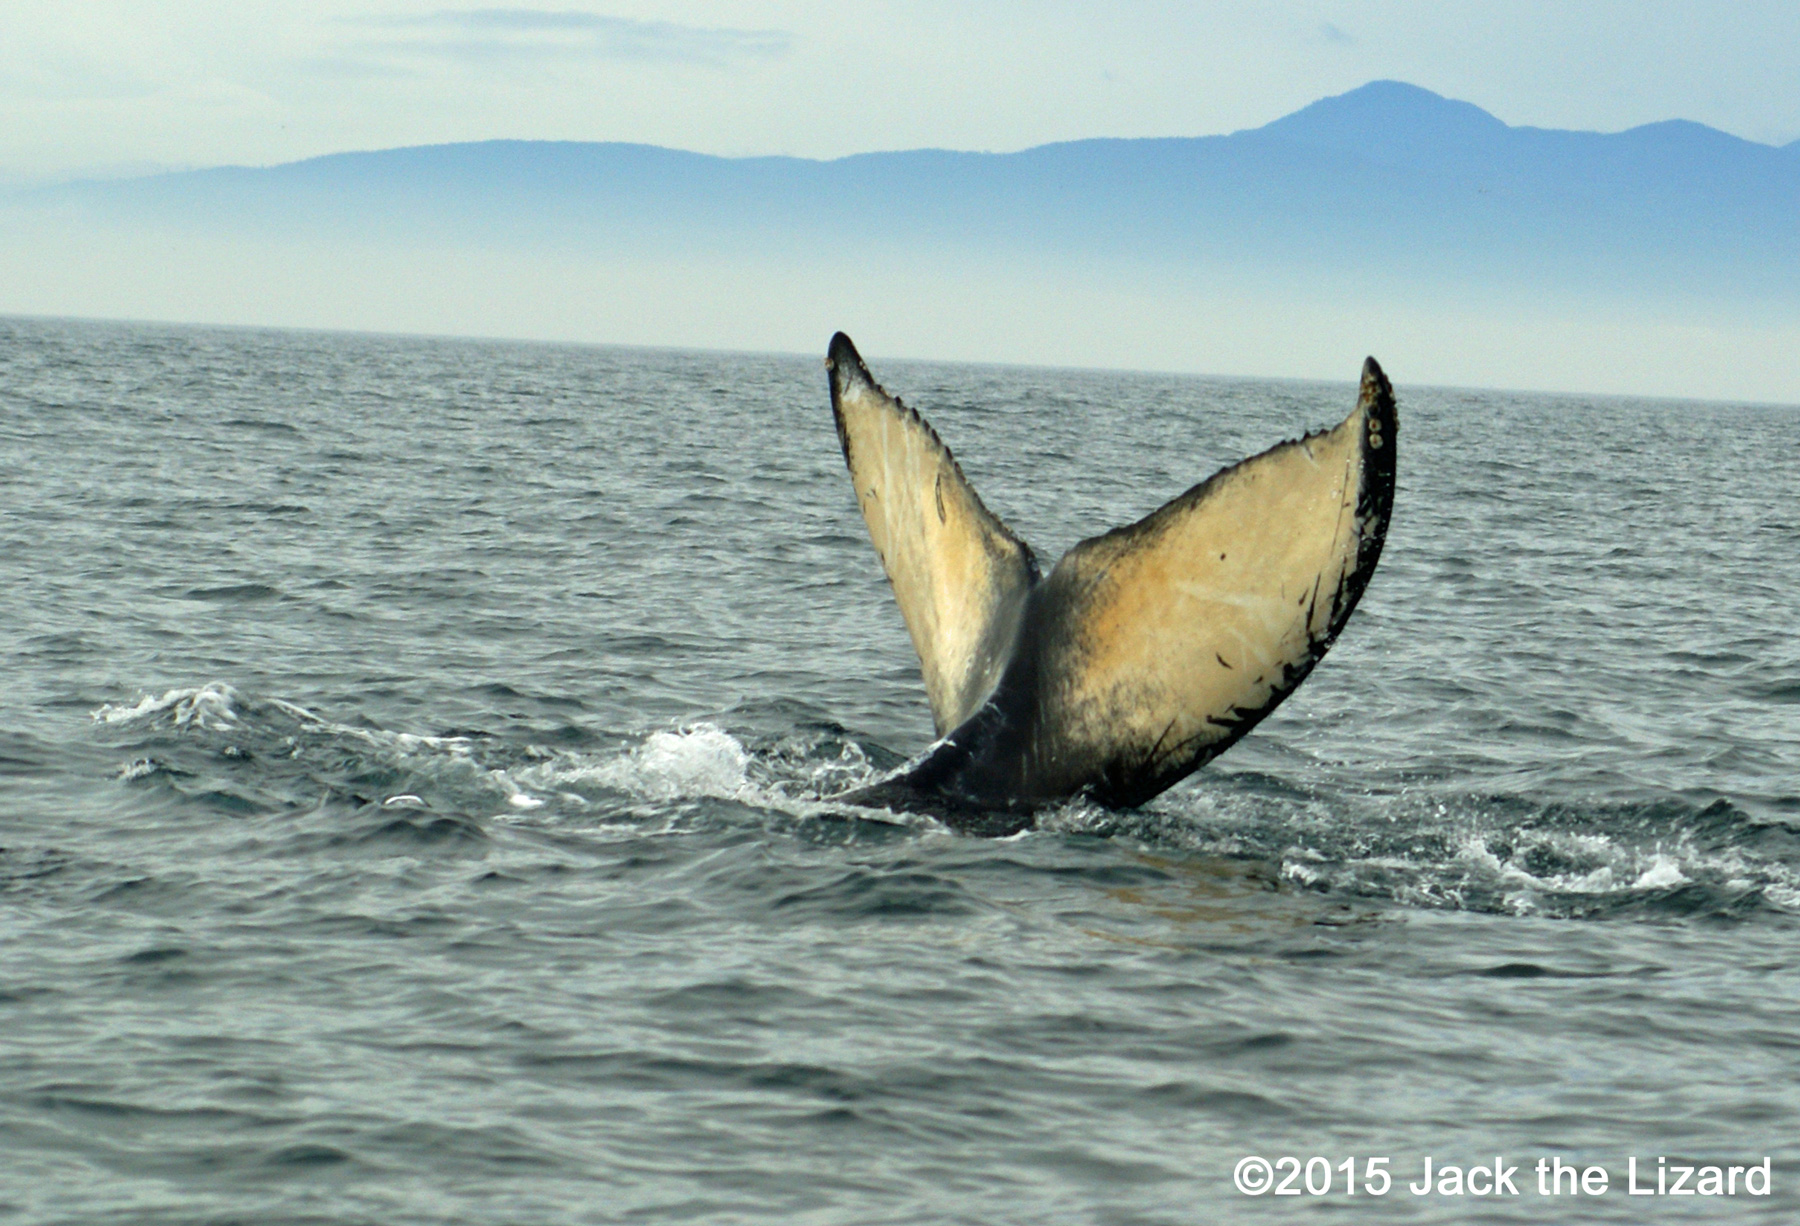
(491,34)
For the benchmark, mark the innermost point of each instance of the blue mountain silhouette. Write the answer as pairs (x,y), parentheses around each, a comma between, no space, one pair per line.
(1388,177)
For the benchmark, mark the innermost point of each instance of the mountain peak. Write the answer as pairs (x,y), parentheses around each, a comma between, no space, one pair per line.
(1388,117)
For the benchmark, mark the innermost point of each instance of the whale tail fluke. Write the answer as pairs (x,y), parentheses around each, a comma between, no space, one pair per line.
(1164,642)
(959,574)
(1148,650)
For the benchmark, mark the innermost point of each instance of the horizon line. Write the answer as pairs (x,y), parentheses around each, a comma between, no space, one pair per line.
(798,355)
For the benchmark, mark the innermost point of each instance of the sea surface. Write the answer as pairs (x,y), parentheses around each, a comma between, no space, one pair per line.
(412,769)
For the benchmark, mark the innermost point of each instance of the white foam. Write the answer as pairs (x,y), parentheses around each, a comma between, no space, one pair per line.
(213,705)
(1662,873)
(217,707)
(700,760)
(1299,873)
(703,761)
(1784,896)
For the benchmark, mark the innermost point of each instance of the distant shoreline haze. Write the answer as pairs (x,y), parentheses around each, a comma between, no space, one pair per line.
(1660,260)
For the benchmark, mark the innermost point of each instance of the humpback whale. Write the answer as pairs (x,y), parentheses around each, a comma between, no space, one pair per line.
(1148,650)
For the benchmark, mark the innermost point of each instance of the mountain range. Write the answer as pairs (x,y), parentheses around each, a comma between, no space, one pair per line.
(1664,260)
(1388,176)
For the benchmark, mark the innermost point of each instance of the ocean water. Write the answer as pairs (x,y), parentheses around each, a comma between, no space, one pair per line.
(411,764)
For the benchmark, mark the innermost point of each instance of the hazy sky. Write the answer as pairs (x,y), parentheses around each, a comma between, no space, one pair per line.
(127,85)
(98,86)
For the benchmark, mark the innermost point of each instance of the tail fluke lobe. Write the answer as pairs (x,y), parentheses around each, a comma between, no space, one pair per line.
(1162,643)
(958,573)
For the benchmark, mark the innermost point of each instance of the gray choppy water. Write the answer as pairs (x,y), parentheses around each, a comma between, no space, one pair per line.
(410,754)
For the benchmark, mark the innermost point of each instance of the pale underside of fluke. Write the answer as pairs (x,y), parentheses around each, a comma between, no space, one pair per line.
(1148,650)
